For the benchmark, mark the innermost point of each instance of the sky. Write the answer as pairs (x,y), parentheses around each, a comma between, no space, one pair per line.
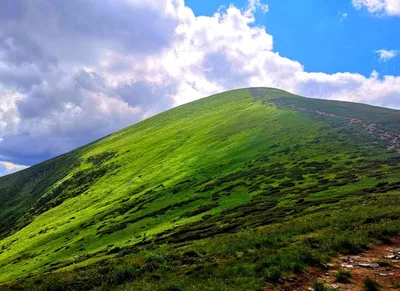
(74,71)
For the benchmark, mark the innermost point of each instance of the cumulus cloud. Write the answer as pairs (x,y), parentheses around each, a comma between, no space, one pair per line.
(379,7)
(376,90)
(73,71)
(255,4)
(385,55)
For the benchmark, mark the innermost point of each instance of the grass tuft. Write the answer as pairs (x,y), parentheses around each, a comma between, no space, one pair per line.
(371,285)
(343,276)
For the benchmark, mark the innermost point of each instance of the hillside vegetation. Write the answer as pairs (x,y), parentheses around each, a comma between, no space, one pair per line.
(232,192)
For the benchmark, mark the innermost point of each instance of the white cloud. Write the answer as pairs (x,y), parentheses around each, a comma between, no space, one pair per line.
(9,168)
(83,72)
(383,91)
(385,55)
(257,4)
(379,7)
(343,16)
(393,7)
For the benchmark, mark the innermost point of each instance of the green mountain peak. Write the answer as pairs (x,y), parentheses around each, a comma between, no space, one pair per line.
(249,185)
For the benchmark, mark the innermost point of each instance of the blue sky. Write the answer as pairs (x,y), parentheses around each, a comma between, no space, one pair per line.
(74,71)
(318,35)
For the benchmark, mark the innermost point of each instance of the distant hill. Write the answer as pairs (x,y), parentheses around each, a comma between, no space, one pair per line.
(231,192)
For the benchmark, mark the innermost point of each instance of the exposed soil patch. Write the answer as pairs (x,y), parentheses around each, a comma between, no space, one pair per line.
(381,263)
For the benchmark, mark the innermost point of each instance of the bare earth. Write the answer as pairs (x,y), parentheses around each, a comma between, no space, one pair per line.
(381,262)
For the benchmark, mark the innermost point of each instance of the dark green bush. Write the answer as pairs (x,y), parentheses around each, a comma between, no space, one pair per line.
(343,276)
(319,286)
(273,274)
(371,285)
(122,274)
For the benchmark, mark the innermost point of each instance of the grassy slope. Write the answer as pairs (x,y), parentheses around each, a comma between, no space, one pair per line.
(251,162)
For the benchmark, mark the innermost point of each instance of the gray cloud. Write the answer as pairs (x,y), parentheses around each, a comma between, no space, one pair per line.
(132,27)
(90,81)
(22,62)
(148,96)
(79,31)
(18,50)
(51,56)
(11,9)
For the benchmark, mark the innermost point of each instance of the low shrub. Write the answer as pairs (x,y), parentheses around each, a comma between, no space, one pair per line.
(343,276)
(371,285)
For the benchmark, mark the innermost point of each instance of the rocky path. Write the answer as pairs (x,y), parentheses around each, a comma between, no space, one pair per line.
(393,139)
(380,263)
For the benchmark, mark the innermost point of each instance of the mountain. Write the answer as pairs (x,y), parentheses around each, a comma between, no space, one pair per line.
(231,192)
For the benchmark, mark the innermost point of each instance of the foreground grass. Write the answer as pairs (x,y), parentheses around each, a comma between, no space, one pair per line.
(246,260)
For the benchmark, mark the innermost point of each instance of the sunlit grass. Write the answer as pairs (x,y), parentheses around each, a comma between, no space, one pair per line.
(232,164)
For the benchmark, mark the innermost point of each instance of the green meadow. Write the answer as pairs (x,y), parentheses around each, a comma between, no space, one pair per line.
(236,191)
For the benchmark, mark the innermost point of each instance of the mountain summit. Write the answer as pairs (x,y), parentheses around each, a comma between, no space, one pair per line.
(231,192)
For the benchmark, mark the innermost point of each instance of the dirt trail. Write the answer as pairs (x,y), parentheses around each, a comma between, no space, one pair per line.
(380,263)
(392,138)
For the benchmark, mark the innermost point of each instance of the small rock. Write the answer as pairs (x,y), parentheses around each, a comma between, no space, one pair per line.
(365,265)
(383,274)
(390,257)
(349,266)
